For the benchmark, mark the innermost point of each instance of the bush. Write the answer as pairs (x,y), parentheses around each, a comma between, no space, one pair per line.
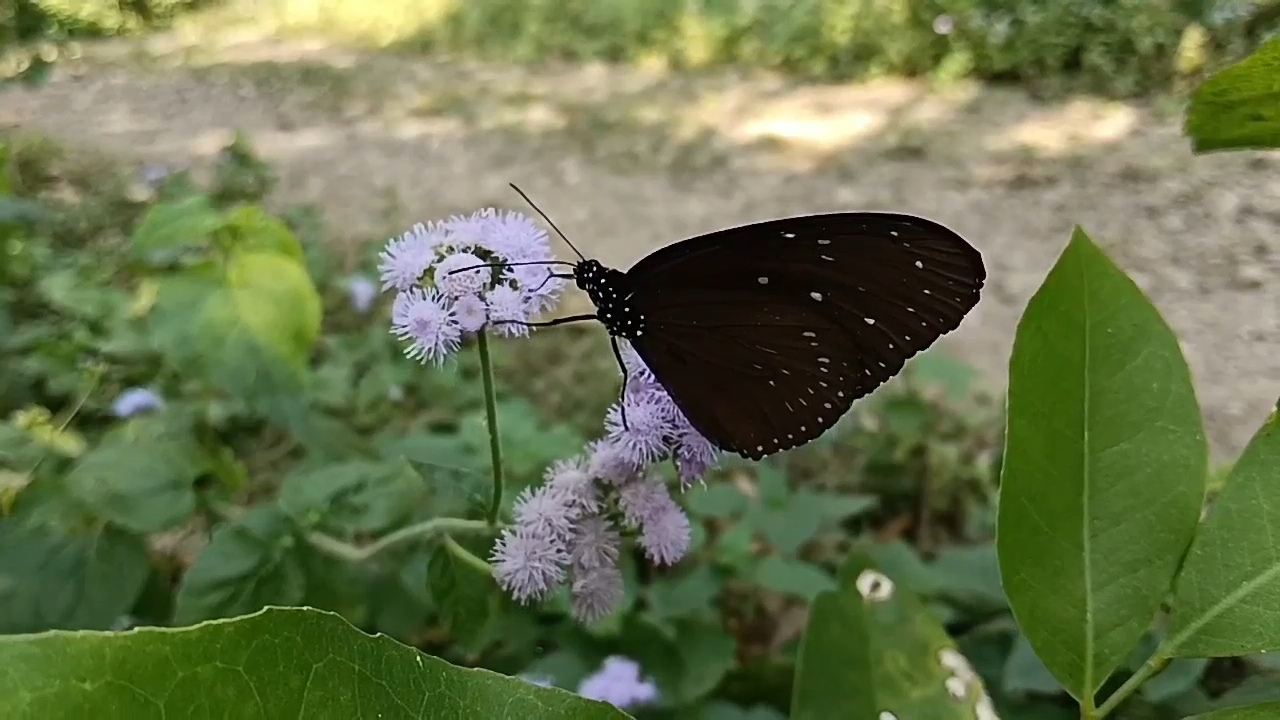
(1121,47)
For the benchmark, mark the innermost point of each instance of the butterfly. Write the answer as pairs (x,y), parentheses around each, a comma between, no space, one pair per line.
(765,334)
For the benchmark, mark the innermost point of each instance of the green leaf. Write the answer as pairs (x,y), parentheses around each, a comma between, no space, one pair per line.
(717,500)
(916,666)
(51,578)
(684,594)
(805,513)
(530,444)
(792,577)
(248,564)
(464,596)
(1239,107)
(900,561)
(145,486)
(707,654)
(1225,596)
(1266,711)
(169,228)
(1104,467)
(252,229)
(687,659)
(970,576)
(277,663)
(834,673)
(248,328)
(358,496)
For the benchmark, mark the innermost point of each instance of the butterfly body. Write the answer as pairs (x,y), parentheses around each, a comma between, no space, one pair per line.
(610,292)
(765,334)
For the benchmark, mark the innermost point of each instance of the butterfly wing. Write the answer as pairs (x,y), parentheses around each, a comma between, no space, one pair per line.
(765,334)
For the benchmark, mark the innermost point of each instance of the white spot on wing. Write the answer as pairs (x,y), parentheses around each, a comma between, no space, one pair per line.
(762,280)
(816,296)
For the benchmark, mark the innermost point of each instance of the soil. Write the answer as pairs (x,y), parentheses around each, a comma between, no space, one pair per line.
(626,160)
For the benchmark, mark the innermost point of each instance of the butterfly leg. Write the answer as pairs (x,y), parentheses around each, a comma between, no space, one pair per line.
(622,394)
(549,323)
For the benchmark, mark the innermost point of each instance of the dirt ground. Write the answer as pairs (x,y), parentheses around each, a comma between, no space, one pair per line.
(628,160)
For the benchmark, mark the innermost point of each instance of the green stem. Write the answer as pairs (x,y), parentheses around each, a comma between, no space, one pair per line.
(435,526)
(491,416)
(465,556)
(1152,667)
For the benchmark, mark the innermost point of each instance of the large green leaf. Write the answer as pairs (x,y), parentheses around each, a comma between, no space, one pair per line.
(1239,107)
(1266,711)
(917,670)
(358,496)
(144,486)
(792,577)
(277,663)
(251,228)
(465,595)
(834,677)
(1225,599)
(249,564)
(1104,467)
(247,326)
(51,578)
(169,228)
(687,659)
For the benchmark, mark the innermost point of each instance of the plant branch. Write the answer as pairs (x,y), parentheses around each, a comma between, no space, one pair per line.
(1152,667)
(465,556)
(426,529)
(491,418)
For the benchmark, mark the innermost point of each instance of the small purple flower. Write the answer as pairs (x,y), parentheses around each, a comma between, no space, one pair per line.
(619,683)
(493,293)
(545,512)
(472,313)
(425,319)
(507,309)
(608,461)
(406,258)
(576,487)
(595,544)
(664,528)
(650,422)
(665,536)
(462,284)
(135,401)
(694,455)
(539,286)
(528,565)
(596,592)
(515,237)
(361,292)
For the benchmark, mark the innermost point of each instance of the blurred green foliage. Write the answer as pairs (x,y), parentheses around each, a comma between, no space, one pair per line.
(1119,47)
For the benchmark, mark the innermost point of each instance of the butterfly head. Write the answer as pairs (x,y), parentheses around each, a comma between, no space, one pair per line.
(589,275)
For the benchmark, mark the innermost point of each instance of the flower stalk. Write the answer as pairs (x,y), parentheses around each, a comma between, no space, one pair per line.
(491,421)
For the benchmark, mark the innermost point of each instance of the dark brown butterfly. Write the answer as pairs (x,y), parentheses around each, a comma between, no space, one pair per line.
(765,334)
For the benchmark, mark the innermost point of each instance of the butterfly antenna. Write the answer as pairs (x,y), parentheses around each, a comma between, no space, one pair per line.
(544,217)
